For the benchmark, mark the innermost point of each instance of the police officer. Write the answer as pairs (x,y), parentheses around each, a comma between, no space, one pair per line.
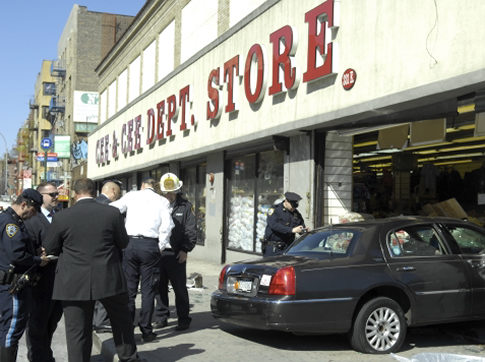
(283,223)
(46,312)
(148,224)
(173,264)
(17,256)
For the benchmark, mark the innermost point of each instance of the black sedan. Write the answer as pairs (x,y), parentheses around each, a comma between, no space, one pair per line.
(369,279)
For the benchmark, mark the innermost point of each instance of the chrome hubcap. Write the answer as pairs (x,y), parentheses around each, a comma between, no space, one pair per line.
(382,329)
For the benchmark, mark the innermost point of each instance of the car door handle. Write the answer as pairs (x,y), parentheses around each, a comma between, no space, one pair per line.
(406,268)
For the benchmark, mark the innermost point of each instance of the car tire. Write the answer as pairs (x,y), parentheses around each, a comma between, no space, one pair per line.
(380,327)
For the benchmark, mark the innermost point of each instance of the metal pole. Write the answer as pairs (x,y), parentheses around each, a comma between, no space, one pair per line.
(45,168)
(6,161)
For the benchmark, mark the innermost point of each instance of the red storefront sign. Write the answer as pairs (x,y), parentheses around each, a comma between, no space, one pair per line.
(160,119)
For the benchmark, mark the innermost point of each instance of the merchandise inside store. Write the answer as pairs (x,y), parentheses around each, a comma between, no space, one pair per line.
(414,168)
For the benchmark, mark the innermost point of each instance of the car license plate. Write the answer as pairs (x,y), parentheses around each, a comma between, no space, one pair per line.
(243,286)
(239,285)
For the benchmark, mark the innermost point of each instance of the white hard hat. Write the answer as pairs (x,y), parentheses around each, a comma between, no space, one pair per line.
(170,183)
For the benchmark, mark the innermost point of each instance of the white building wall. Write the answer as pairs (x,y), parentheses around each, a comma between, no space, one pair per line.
(199,26)
(134,79)
(373,38)
(112,99)
(122,89)
(239,9)
(103,106)
(166,50)
(148,69)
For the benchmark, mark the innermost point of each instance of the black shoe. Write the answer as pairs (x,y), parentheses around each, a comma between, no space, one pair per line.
(183,325)
(149,337)
(103,328)
(160,324)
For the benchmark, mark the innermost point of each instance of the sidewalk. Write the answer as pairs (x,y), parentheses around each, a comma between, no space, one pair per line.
(162,347)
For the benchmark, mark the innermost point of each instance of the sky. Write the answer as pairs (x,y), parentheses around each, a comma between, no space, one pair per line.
(29,32)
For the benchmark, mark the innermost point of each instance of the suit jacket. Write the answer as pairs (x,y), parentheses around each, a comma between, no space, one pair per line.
(88,238)
(37,227)
(103,199)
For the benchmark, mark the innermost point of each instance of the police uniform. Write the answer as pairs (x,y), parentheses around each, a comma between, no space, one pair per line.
(17,254)
(280,223)
(183,238)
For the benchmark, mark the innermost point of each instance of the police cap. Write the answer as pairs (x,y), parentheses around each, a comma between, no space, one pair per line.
(34,196)
(292,196)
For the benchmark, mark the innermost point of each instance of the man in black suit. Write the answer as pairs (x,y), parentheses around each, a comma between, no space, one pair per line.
(110,192)
(89,237)
(45,313)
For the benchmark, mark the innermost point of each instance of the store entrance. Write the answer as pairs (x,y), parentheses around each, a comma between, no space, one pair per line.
(412,168)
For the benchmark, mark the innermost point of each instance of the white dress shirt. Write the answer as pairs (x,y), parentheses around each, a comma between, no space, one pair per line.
(147,214)
(48,214)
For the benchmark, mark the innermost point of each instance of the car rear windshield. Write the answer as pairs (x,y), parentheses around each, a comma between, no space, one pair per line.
(326,242)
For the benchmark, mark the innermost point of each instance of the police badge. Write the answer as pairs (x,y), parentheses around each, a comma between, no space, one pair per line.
(11,230)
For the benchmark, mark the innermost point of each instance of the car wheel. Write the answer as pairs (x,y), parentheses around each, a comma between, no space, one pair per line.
(380,327)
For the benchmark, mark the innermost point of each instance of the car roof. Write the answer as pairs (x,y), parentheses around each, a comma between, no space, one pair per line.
(396,220)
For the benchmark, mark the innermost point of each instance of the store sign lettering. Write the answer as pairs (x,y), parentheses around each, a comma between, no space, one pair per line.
(173,114)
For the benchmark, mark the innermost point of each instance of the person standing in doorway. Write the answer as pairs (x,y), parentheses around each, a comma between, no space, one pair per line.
(149,224)
(110,192)
(173,265)
(46,312)
(89,238)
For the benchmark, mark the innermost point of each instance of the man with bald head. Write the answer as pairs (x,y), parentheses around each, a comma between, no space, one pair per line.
(110,192)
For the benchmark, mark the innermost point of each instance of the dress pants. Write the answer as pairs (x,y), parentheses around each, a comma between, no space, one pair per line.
(175,272)
(78,316)
(44,316)
(141,260)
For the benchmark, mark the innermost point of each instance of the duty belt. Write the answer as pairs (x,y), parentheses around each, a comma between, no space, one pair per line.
(8,278)
(278,244)
(141,237)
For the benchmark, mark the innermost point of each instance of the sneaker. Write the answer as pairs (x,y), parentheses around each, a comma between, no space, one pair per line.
(149,337)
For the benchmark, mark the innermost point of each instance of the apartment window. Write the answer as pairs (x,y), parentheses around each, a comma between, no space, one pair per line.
(49,88)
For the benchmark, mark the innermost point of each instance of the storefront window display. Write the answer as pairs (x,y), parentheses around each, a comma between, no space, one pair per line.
(254,183)
(194,189)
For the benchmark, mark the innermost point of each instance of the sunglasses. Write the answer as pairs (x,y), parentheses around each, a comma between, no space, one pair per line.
(51,194)
(294,203)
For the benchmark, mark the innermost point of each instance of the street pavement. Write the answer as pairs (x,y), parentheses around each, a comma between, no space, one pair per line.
(206,340)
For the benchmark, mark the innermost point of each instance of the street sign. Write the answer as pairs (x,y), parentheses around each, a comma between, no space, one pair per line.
(46,143)
(51,157)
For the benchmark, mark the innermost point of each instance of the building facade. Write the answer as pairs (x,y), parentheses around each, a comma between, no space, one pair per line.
(344,102)
(73,107)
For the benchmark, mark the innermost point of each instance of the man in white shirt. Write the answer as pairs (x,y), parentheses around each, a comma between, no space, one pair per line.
(148,224)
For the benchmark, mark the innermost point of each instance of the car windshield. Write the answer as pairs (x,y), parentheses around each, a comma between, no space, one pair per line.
(335,242)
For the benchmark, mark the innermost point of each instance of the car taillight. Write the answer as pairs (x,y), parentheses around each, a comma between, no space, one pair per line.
(283,282)
(222,275)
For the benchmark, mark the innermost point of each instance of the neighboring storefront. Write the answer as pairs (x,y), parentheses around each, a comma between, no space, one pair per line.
(289,96)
